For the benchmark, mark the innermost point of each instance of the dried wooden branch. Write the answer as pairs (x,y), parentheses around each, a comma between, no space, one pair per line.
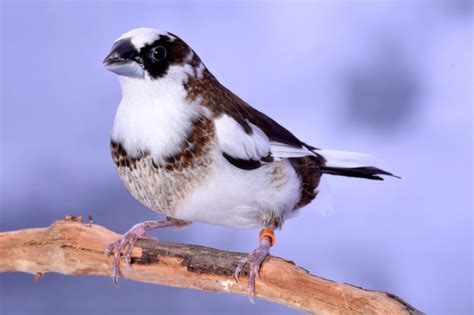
(71,247)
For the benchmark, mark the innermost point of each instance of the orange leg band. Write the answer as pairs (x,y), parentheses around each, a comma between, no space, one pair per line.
(267,233)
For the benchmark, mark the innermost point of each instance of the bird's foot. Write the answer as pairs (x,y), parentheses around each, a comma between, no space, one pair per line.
(255,260)
(127,241)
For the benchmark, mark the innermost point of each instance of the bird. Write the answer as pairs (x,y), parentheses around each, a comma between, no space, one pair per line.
(187,147)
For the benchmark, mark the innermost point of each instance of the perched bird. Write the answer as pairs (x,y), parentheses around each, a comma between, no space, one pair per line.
(187,147)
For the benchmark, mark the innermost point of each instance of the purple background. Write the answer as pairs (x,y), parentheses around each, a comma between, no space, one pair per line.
(391,78)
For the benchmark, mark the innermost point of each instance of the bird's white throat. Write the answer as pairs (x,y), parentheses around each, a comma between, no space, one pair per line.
(154,115)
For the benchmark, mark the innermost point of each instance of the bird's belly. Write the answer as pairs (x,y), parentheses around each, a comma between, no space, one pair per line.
(241,198)
(163,189)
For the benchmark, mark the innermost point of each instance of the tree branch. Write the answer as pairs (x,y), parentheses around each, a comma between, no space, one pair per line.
(71,247)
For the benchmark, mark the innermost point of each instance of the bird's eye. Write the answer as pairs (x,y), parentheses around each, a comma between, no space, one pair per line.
(158,53)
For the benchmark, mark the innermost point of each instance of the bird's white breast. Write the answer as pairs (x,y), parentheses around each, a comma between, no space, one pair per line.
(154,116)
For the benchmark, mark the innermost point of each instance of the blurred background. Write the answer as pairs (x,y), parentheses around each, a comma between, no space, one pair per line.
(390,78)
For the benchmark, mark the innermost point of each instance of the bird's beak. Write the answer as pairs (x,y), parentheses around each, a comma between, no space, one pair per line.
(124,60)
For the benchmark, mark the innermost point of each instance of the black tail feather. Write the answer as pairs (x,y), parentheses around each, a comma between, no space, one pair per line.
(368,172)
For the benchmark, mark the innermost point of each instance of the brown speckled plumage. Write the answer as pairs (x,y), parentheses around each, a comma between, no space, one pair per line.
(161,186)
(222,101)
(120,156)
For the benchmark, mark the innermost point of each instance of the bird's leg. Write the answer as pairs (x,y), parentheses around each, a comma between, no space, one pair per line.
(127,241)
(255,259)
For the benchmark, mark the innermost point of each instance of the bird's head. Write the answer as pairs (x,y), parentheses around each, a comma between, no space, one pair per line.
(150,54)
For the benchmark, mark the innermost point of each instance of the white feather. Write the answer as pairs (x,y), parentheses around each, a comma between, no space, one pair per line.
(282,150)
(200,71)
(347,159)
(234,141)
(237,143)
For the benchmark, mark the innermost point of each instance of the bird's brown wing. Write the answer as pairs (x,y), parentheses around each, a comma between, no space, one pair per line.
(222,101)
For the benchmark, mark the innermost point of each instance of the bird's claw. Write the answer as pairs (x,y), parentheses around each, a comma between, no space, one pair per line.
(255,260)
(124,244)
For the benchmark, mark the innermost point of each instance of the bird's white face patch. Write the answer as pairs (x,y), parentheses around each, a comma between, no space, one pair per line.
(143,36)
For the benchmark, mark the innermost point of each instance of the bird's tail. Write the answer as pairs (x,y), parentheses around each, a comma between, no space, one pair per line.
(351,164)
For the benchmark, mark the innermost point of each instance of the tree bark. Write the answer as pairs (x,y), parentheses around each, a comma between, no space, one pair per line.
(71,247)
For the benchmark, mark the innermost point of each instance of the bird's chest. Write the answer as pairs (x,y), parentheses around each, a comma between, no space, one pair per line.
(163,183)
